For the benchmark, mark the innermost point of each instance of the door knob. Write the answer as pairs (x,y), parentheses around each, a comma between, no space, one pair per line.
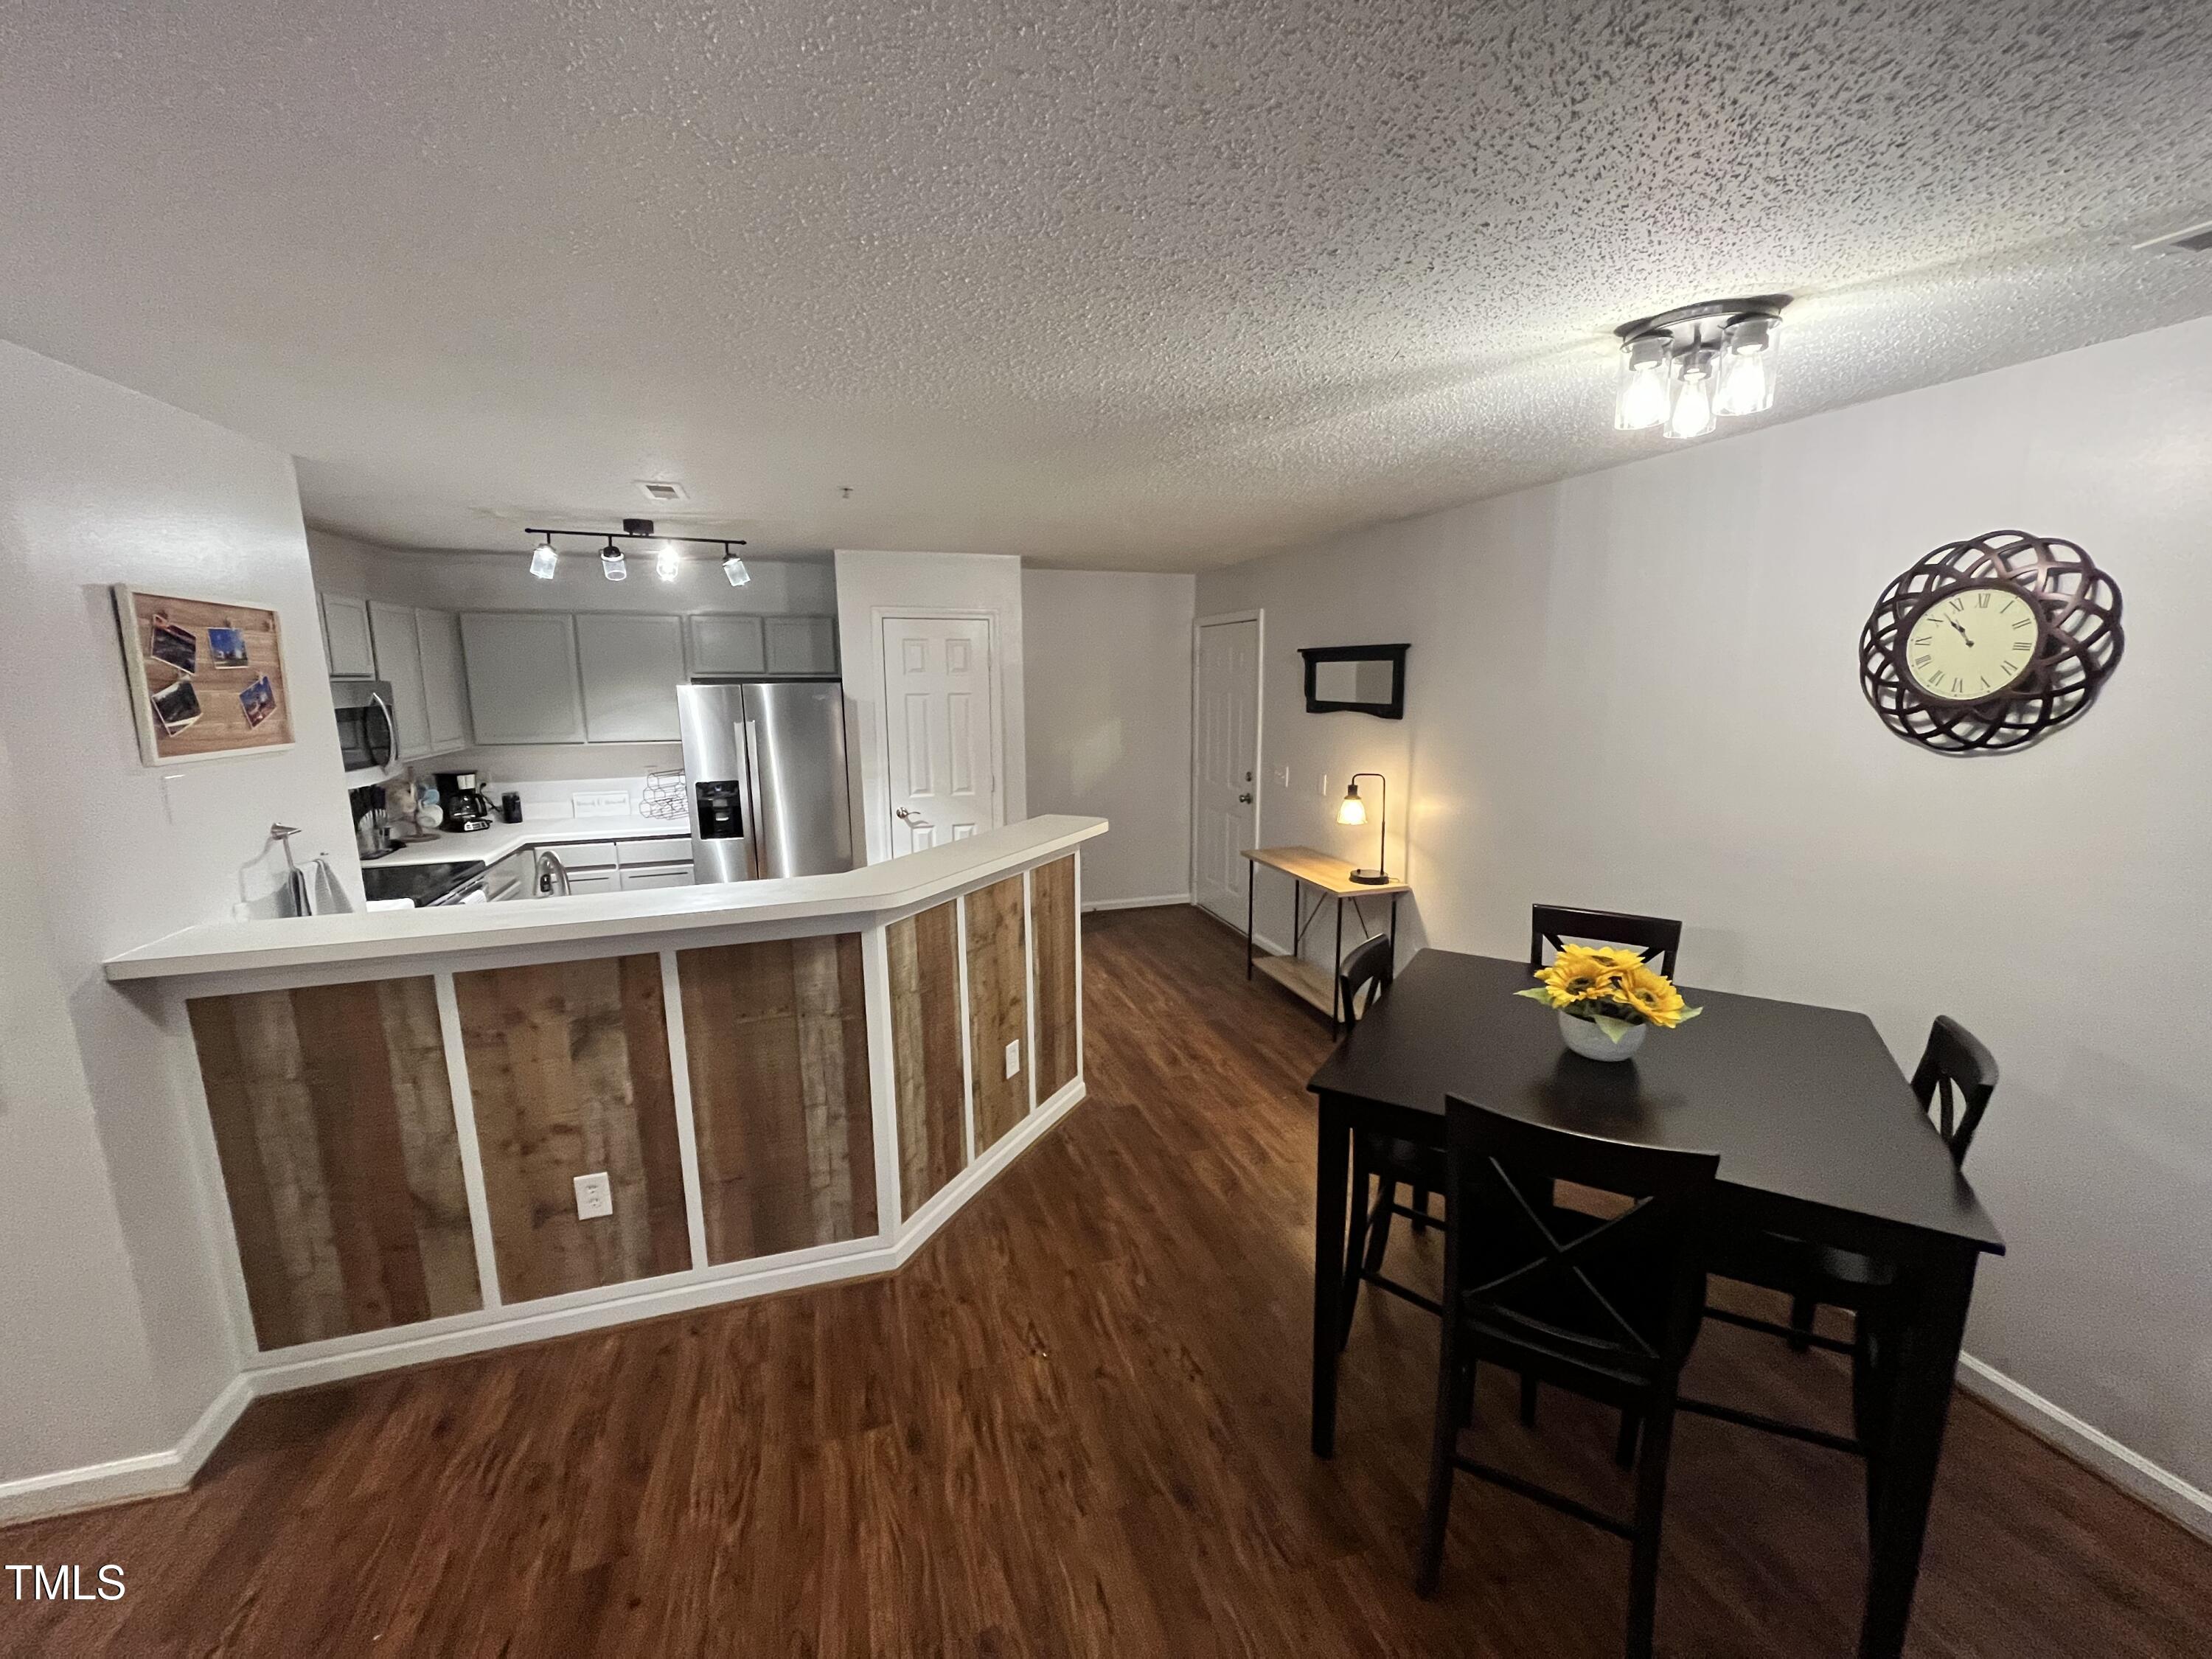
(1246,799)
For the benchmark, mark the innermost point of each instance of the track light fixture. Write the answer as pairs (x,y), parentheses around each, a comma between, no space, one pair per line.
(667,552)
(1683,368)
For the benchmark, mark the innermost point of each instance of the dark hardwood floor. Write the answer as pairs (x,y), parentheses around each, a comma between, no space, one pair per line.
(1076,1423)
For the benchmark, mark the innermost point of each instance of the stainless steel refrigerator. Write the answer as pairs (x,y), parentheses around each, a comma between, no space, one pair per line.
(765,762)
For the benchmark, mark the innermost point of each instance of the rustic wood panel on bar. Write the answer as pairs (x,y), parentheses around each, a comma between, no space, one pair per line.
(777,1035)
(925,974)
(334,1124)
(569,1069)
(1052,911)
(997,1005)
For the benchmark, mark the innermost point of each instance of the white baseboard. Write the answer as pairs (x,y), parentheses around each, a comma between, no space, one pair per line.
(2125,1467)
(1137,903)
(153,1473)
(148,1475)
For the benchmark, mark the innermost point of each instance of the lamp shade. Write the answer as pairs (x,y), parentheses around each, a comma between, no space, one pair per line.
(1352,809)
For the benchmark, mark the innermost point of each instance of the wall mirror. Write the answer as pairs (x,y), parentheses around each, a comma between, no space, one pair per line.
(1360,679)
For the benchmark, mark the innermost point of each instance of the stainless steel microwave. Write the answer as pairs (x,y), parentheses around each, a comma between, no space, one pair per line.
(365,735)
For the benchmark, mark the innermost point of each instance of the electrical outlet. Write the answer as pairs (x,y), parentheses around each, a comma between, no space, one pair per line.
(1014,1057)
(595,1197)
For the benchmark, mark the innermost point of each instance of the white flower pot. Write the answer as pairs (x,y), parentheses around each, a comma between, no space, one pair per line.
(1584,1037)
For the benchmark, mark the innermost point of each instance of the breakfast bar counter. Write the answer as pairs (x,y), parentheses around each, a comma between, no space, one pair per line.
(442,1130)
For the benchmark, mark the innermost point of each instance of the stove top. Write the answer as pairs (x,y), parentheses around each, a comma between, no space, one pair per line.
(419,883)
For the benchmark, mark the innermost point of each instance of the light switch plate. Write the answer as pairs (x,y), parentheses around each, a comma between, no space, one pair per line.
(1014,1057)
(595,1197)
(1282,777)
(1324,786)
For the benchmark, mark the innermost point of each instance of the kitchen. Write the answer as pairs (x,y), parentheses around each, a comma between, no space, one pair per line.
(496,754)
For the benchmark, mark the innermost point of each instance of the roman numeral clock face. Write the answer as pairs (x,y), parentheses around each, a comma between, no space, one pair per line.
(1972,643)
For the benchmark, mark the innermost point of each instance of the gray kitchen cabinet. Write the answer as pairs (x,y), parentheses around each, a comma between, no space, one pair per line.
(346,642)
(445,679)
(801,645)
(726,645)
(664,875)
(594,881)
(399,663)
(630,667)
(522,677)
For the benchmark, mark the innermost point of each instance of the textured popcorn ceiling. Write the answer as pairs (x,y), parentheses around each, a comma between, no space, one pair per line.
(1144,285)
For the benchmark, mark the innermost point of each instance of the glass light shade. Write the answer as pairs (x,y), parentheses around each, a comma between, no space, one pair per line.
(734,568)
(1747,366)
(1691,414)
(1352,809)
(1641,401)
(665,564)
(612,565)
(543,561)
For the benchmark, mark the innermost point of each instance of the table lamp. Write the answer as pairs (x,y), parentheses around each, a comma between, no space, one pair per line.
(1352,809)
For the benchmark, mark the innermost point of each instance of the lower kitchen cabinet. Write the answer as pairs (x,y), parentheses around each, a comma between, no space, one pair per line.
(594,881)
(665,875)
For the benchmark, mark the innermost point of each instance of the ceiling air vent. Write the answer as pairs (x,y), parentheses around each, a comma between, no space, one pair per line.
(2197,239)
(661,489)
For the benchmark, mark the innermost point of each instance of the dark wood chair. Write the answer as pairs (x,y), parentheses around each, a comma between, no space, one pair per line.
(1954,1082)
(1659,940)
(1381,1161)
(1656,937)
(1605,1308)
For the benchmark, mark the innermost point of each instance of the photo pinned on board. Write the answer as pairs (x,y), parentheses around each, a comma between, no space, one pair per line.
(175,646)
(227,648)
(177,706)
(259,699)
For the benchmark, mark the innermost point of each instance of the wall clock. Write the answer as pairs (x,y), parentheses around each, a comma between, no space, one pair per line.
(1987,644)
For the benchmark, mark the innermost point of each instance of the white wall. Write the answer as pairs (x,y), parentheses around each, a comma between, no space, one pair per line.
(872,585)
(1109,712)
(480,581)
(1637,690)
(99,485)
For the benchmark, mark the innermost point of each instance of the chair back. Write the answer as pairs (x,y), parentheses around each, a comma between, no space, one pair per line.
(1564,1291)
(1954,1082)
(1555,924)
(1370,969)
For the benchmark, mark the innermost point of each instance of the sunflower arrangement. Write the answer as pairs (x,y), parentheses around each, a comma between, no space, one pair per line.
(1615,990)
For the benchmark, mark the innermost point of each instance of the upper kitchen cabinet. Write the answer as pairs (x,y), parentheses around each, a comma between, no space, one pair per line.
(445,679)
(631,666)
(345,638)
(726,645)
(399,663)
(801,645)
(524,686)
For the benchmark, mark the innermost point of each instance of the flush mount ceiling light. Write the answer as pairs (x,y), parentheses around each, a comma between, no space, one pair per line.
(1682,369)
(667,552)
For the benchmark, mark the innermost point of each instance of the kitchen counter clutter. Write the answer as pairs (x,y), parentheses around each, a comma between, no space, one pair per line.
(437,1131)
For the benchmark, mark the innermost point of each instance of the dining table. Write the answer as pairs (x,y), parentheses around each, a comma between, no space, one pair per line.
(1819,1136)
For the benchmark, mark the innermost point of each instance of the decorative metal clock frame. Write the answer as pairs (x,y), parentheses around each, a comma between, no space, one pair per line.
(2077,610)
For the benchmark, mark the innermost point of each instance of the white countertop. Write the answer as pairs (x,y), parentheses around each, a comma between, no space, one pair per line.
(496,843)
(653,918)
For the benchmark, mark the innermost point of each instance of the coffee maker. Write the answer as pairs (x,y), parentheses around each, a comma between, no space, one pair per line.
(462,795)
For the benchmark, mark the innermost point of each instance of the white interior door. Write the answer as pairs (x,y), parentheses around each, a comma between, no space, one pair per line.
(1224,759)
(940,729)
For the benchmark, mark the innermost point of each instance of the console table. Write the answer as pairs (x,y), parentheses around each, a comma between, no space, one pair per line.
(1331,878)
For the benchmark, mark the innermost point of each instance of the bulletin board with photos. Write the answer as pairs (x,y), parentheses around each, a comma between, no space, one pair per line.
(207,679)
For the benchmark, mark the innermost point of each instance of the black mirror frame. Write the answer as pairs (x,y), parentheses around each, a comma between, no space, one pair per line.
(1393,654)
